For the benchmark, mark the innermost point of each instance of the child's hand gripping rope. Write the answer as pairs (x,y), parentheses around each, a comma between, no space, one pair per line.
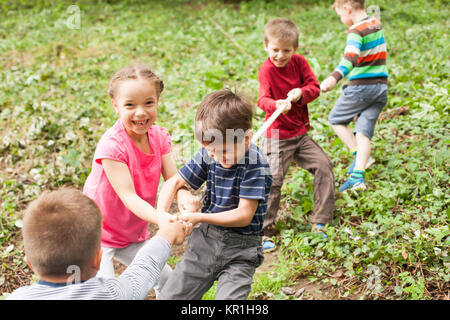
(283,106)
(328,84)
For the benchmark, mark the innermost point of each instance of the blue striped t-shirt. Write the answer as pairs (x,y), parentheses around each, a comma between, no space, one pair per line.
(250,178)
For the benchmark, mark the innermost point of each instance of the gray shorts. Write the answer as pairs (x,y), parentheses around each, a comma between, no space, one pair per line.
(364,101)
(215,254)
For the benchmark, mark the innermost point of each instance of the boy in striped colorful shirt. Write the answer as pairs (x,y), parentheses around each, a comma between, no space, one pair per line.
(365,94)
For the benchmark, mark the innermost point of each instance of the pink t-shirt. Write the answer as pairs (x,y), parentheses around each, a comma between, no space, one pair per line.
(121,227)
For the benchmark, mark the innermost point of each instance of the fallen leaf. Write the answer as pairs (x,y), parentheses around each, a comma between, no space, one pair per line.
(288,291)
(265,295)
(299,292)
(404,254)
(338,274)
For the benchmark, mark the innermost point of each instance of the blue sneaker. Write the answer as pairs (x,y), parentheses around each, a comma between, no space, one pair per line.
(268,245)
(320,229)
(352,167)
(369,162)
(356,181)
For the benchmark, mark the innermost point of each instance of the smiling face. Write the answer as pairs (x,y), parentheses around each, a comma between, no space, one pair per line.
(136,102)
(280,52)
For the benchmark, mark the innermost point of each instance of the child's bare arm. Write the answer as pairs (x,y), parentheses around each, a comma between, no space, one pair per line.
(168,191)
(119,176)
(186,200)
(240,217)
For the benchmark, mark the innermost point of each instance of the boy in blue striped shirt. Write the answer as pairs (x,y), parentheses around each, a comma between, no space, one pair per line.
(227,245)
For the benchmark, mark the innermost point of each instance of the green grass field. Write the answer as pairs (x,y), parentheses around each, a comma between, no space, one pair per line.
(388,242)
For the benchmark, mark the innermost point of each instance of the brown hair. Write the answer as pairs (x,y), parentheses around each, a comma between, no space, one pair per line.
(60,229)
(223,111)
(139,71)
(356,4)
(281,29)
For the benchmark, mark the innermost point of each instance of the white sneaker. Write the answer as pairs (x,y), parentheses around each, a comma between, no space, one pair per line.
(359,185)
(370,162)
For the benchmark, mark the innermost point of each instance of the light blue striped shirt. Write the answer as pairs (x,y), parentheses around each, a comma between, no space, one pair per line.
(133,284)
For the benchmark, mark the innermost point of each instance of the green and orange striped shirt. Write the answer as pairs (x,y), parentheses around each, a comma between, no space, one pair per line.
(365,54)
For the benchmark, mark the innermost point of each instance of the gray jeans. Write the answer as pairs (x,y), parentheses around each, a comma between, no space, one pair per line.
(215,254)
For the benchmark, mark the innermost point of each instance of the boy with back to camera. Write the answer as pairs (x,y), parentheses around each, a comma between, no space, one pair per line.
(287,73)
(366,93)
(61,236)
(227,245)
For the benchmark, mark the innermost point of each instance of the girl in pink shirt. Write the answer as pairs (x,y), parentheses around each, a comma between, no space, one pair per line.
(128,162)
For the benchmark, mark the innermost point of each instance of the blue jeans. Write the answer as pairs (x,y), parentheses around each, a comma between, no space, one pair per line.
(364,101)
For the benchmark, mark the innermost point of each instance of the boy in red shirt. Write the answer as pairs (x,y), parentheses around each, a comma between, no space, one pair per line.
(287,73)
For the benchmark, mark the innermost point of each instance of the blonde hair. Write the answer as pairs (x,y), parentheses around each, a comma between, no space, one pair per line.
(281,29)
(138,71)
(356,4)
(60,229)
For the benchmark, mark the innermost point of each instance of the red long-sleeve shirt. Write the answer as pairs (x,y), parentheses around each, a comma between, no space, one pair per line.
(275,83)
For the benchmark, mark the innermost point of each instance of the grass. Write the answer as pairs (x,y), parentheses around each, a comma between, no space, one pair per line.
(390,241)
